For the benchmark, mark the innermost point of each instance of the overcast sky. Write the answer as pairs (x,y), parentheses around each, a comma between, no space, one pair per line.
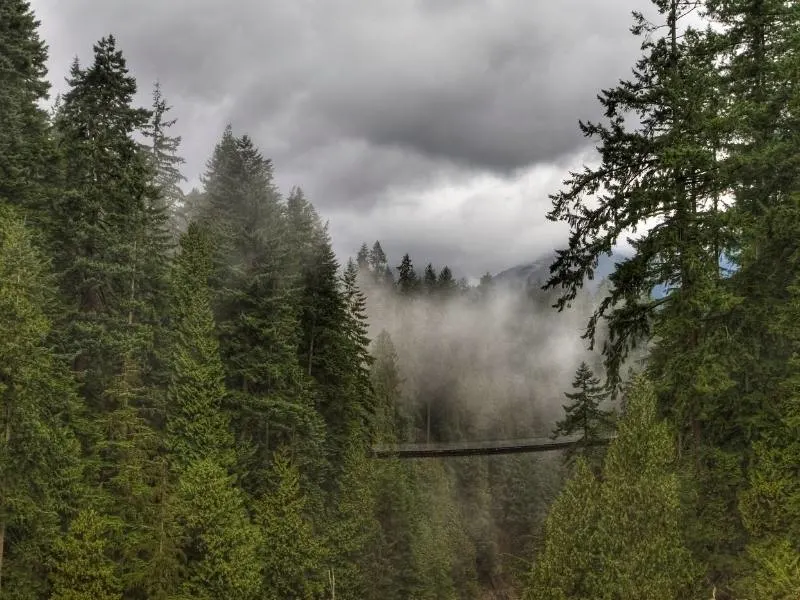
(437,126)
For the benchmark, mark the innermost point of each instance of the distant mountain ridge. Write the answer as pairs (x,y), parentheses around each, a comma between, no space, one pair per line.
(536,273)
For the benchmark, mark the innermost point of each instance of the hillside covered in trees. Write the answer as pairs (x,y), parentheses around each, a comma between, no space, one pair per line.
(190,383)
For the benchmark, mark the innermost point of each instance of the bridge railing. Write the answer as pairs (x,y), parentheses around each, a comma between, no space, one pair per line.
(540,444)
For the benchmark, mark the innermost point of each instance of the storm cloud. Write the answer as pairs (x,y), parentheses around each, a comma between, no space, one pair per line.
(438,126)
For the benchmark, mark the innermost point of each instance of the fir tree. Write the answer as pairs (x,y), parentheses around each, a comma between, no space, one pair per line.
(197,426)
(584,417)
(661,168)
(354,534)
(218,544)
(166,162)
(108,247)
(407,281)
(24,144)
(292,557)
(622,537)
(377,259)
(362,258)
(85,567)
(257,310)
(39,468)
(429,279)
(565,561)
(446,285)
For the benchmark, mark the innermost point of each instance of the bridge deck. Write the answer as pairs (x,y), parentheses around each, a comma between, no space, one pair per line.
(479,448)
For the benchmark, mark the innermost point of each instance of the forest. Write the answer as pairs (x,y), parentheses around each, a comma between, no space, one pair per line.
(191,382)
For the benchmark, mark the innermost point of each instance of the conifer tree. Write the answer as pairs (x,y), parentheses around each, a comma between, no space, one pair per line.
(584,417)
(219,546)
(257,310)
(407,280)
(639,529)
(446,285)
(429,279)
(362,258)
(621,537)
(661,167)
(292,555)
(108,246)
(354,533)
(197,426)
(85,567)
(24,145)
(356,331)
(165,160)
(562,567)
(39,454)
(377,259)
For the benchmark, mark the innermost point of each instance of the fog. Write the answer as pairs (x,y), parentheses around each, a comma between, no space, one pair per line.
(490,362)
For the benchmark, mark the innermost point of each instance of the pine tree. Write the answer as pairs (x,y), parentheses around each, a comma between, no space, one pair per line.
(110,254)
(219,546)
(197,426)
(356,330)
(362,258)
(564,562)
(639,529)
(429,279)
(391,423)
(377,259)
(584,417)
(165,160)
(256,307)
(292,556)
(108,245)
(24,146)
(661,168)
(407,281)
(354,533)
(446,286)
(85,567)
(39,468)
(621,537)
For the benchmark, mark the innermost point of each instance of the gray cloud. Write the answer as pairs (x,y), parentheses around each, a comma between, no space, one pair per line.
(367,104)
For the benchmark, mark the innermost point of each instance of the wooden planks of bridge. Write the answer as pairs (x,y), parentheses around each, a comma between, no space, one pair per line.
(483,448)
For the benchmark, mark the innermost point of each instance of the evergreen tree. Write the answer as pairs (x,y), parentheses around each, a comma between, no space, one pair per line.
(257,310)
(292,557)
(584,417)
(165,161)
(377,259)
(39,468)
(85,567)
(661,168)
(197,427)
(429,279)
(108,246)
(24,145)
(446,285)
(362,258)
(407,281)
(332,342)
(110,253)
(218,545)
(621,537)
(565,561)
(639,531)
(356,329)
(391,423)
(354,531)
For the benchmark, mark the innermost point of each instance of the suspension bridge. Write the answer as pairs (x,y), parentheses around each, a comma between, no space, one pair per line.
(484,448)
